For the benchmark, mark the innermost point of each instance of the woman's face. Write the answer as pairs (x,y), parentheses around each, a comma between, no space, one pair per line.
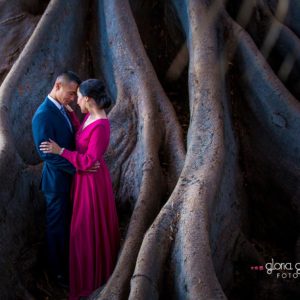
(82,102)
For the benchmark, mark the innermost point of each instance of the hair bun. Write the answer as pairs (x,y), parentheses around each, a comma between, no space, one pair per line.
(95,88)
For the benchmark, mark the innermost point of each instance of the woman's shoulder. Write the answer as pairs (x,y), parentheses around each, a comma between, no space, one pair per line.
(102,121)
(100,125)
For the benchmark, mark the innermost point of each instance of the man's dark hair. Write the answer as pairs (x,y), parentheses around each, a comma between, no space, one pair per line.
(69,76)
(95,89)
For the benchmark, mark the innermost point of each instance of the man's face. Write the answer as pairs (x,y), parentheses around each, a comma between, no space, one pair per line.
(66,92)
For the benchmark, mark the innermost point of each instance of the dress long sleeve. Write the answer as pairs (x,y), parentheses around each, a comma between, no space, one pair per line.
(74,120)
(94,152)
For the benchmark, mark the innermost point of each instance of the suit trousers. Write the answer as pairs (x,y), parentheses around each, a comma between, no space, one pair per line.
(57,233)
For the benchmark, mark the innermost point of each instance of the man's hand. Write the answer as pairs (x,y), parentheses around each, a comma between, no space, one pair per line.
(94,168)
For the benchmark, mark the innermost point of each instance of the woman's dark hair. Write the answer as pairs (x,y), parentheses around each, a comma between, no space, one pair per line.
(95,89)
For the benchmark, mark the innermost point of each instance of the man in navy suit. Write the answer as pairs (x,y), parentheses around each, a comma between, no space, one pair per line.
(51,121)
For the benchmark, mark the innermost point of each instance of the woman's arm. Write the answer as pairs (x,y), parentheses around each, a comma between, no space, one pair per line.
(81,161)
(94,153)
(73,117)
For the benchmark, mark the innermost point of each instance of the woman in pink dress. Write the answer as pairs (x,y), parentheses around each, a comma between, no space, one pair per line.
(94,236)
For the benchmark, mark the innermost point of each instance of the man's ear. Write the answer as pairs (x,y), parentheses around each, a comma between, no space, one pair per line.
(57,85)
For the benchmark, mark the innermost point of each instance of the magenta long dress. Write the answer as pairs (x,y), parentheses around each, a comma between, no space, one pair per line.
(94,236)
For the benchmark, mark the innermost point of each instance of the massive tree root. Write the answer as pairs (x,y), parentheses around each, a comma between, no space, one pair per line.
(190,217)
(18,19)
(144,125)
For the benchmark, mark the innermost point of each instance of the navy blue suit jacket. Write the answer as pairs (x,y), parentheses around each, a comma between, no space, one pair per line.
(49,122)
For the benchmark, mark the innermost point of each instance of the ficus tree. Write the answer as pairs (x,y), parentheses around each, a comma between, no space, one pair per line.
(204,151)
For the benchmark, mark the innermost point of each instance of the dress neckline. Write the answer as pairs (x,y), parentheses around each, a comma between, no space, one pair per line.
(83,128)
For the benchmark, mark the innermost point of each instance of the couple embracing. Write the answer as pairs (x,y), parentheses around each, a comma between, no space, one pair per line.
(81,218)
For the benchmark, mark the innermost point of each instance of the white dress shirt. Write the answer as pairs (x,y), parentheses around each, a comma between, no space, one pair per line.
(57,104)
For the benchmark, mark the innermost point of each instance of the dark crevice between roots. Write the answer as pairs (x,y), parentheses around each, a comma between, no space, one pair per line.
(258,25)
(36,7)
(162,37)
(271,224)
